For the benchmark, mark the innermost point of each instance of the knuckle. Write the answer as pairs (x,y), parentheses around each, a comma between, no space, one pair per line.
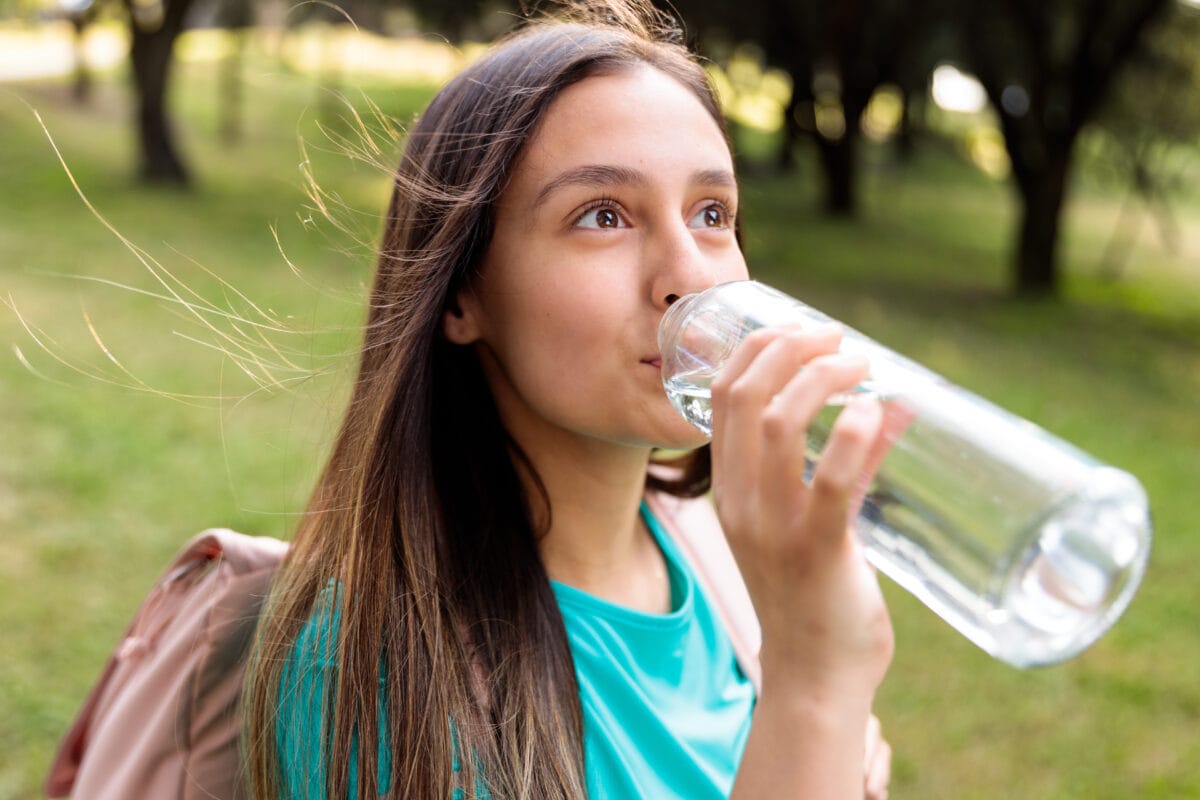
(760,336)
(740,393)
(829,487)
(853,435)
(719,388)
(775,422)
(825,367)
(815,340)
(883,636)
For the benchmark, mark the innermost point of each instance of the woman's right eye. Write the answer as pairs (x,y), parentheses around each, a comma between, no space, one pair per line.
(601,217)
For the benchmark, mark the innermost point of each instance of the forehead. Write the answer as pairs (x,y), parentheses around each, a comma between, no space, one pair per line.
(641,118)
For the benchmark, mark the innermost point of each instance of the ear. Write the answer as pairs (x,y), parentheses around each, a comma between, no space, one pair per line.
(460,320)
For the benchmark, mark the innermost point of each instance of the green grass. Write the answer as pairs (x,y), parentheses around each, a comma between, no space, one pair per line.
(99,485)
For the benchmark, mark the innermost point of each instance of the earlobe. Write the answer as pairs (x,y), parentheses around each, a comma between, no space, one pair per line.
(458,324)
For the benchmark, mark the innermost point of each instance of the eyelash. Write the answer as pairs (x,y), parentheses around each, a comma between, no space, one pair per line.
(727,213)
(596,205)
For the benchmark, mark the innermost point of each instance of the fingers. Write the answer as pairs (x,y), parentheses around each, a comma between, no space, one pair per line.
(764,401)
(843,462)
(786,421)
(757,371)
(819,605)
(877,769)
(897,416)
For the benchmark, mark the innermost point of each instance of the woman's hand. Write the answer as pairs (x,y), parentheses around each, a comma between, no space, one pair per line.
(827,639)
(877,766)
(824,623)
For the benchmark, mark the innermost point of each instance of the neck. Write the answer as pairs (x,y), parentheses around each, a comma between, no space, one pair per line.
(595,540)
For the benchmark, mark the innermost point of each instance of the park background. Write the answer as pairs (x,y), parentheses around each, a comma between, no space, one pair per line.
(179,319)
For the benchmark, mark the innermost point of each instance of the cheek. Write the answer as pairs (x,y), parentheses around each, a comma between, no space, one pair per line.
(541,345)
(561,309)
(558,351)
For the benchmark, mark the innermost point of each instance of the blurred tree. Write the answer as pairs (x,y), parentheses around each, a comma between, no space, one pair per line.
(154,25)
(1149,128)
(1047,66)
(81,14)
(471,20)
(837,55)
(454,19)
(236,17)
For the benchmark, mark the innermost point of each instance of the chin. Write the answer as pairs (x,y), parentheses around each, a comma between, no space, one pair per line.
(679,436)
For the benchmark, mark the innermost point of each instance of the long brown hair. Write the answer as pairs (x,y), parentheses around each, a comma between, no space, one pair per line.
(420,516)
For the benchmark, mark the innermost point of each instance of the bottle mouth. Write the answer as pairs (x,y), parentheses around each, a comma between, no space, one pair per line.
(670,319)
(681,308)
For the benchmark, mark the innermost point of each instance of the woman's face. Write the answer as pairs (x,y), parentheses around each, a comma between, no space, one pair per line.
(623,200)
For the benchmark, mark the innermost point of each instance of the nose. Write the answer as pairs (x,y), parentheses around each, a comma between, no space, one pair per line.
(679,266)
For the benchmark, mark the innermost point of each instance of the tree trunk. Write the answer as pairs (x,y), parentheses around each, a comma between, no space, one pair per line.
(906,134)
(229,88)
(839,164)
(150,56)
(785,160)
(798,120)
(1043,192)
(81,80)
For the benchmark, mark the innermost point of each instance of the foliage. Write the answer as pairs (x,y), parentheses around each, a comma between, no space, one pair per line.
(1149,129)
(836,54)
(1047,68)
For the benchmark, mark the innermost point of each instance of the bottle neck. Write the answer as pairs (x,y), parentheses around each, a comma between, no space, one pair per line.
(676,313)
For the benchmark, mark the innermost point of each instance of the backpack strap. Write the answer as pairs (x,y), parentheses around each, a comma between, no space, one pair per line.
(693,525)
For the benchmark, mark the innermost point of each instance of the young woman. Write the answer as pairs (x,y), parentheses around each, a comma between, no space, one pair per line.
(478,601)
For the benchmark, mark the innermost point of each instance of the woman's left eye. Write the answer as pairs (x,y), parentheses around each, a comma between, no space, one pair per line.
(711,216)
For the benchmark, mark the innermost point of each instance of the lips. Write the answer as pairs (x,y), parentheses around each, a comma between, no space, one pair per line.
(653,361)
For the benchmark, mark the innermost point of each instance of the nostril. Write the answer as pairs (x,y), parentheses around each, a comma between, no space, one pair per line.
(671,298)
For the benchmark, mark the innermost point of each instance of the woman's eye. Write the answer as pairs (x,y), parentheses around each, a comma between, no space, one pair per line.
(601,218)
(714,216)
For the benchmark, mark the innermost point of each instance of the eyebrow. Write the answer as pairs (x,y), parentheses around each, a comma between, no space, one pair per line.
(600,176)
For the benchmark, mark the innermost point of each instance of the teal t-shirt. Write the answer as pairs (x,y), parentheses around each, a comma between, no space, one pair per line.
(666,708)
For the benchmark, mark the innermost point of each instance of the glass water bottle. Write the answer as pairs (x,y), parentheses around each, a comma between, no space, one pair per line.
(1025,544)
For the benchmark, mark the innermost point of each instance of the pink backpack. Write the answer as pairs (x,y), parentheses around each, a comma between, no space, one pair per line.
(163,720)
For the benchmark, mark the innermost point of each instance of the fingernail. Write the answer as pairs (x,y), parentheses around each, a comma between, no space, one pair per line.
(862,406)
(813,328)
(855,360)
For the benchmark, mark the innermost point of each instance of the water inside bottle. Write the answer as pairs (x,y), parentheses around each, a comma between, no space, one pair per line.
(691,394)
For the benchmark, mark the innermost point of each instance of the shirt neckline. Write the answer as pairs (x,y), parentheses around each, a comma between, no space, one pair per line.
(682,590)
